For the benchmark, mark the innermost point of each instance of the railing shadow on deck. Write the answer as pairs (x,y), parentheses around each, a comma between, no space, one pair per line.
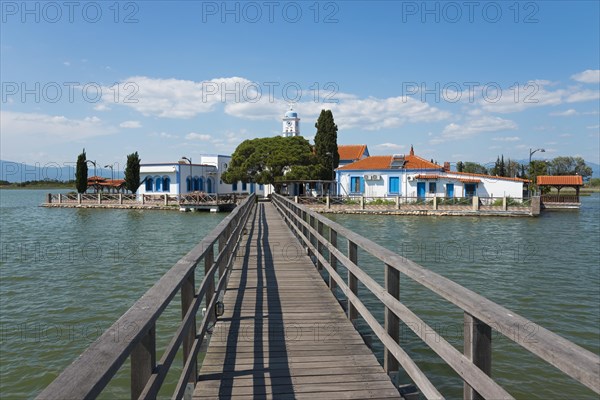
(481,315)
(89,374)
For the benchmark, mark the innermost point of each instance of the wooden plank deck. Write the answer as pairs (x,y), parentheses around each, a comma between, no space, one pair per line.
(283,334)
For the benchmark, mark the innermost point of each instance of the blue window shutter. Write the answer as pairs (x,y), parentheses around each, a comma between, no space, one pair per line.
(394,185)
(362,184)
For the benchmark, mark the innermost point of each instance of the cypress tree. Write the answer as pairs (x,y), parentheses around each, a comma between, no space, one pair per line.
(132,172)
(81,173)
(326,142)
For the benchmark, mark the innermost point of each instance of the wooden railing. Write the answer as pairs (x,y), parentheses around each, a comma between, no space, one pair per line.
(412,203)
(87,376)
(481,315)
(555,198)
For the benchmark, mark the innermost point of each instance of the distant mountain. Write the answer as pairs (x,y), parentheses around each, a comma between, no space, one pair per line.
(16,172)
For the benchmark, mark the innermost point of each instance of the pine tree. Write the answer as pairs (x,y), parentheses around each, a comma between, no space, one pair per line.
(502,169)
(460,166)
(132,172)
(326,144)
(81,173)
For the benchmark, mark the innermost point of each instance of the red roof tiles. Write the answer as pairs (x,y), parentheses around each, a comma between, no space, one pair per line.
(560,180)
(351,151)
(384,162)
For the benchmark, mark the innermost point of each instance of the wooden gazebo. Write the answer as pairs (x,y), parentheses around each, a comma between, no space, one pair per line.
(99,184)
(558,182)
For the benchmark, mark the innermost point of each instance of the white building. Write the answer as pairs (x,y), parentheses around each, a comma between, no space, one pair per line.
(411,176)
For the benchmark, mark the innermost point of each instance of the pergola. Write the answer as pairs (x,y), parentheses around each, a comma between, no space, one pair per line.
(99,184)
(561,181)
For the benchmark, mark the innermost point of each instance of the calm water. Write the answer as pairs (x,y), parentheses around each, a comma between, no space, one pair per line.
(67,274)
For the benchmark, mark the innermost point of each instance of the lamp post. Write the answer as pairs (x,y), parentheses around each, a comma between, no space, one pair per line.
(112,177)
(332,170)
(190,161)
(533,152)
(93,162)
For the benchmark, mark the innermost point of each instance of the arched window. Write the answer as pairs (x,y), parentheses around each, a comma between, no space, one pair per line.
(201,184)
(209,185)
(157,183)
(166,184)
(196,183)
(234,187)
(188,183)
(149,183)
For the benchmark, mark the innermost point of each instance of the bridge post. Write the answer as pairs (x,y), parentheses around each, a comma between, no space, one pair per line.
(504,204)
(328,202)
(188,291)
(352,280)
(166,199)
(143,362)
(319,244)
(475,203)
(222,241)
(332,259)
(209,259)
(478,349)
(397,202)
(59,199)
(435,204)
(392,322)
(362,202)
(120,198)
(78,198)
(99,198)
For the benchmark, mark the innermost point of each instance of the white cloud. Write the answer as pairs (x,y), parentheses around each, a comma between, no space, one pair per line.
(472,127)
(101,107)
(242,98)
(567,113)
(390,146)
(587,76)
(197,136)
(507,139)
(535,94)
(593,127)
(164,135)
(67,63)
(131,124)
(56,127)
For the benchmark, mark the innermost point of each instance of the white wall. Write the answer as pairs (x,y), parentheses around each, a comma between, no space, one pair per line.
(487,187)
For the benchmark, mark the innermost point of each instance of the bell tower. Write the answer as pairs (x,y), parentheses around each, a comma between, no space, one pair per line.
(291,123)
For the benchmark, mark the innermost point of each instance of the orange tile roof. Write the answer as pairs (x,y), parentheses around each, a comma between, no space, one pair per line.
(351,151)
(384,162)
(505,178)
(566,180)
(421,176)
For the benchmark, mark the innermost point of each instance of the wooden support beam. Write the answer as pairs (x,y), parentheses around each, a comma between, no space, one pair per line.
(352,281)
(478,349)
(143,362)
(392,322)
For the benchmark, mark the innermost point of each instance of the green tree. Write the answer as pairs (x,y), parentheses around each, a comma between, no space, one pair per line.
(537,168)
(271,161)
(460,166)
(81,173)
(326,147)
(474,168)
(502,167)
(132,172)
(569,166)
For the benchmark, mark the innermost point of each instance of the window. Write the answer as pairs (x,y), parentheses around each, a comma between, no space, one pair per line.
(470,189)
(261,187)
(188,183)
(196,183)
(357,184)
(244,186)
(166,184)
(394,185)
(149,184)
(234,187)
(432,187)
(157,184)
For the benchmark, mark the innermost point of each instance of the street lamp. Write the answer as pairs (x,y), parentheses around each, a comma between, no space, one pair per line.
(332,170)
(533,152)
(111,172)
(93,162)
(190,161)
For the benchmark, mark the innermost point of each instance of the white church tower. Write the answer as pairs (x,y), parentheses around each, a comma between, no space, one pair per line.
(291,123)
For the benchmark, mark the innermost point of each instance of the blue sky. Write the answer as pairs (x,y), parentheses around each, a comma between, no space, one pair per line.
(458,80)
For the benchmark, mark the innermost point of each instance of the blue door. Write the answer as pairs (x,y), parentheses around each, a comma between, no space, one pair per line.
(394,185)
(450,190)
(209,188)
(420,190)
(252,188)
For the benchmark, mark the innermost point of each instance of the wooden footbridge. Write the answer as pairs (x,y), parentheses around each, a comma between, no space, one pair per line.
(275,329)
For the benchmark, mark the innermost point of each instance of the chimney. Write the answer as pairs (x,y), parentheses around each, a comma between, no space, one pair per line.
(446,166)
(412,151)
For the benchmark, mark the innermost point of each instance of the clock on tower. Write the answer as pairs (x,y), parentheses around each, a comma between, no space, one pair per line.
(291,123)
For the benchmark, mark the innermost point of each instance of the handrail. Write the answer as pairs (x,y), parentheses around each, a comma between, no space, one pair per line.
(133,334)
(480,314)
